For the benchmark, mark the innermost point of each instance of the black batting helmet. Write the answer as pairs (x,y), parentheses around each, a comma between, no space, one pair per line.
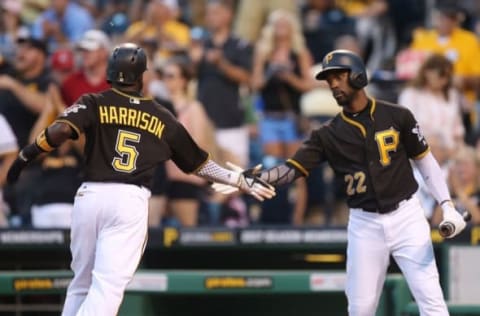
(347,60)
(126,64)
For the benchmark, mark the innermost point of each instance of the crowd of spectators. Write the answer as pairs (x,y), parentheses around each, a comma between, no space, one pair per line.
(239,75)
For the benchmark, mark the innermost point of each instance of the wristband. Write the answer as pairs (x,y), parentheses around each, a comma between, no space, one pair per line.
(445,201)
(43,142)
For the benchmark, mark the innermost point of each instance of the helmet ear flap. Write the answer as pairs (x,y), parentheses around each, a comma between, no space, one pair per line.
(357,80)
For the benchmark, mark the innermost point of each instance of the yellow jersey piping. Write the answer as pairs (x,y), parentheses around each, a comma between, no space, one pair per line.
(130,96)
(354,123)
(420,156)
(298,166)
(372,108)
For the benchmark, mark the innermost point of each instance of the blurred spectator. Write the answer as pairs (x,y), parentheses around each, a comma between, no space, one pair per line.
(94,49)
(464,184)
(10,23)
(461,47)
(435,103)
(154,81)
(157,204)
(469,11)
(406,16)
(281,73)
(95,7)
(62,64)
(374,29)
(59,171)
(443,155)
(65,21)
(223,64)
(185,191)
(6,68)
(136,9)
(22,94)
(115,20)
(349,42)
(8,151)
(152,84)
(196,12)
(323,23)
(31,9)
(251,16)
(159,25)
(408,62)
(23,98)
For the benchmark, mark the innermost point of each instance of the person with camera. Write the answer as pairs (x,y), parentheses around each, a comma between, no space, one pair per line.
(223,63)
(281,73)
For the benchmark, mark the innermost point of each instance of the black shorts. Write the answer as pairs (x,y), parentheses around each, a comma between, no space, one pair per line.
(159,180)
(184,190)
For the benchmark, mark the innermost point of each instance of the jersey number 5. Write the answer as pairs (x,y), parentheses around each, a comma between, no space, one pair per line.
(128,153)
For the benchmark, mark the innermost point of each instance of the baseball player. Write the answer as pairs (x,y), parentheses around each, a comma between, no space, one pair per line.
(369,145)
(127,135)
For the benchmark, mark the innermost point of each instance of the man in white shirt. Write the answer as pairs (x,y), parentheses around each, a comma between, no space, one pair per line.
(8,153)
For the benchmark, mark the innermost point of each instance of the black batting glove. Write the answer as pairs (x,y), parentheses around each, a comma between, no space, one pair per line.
(26,155)
(15,170)
(252,177)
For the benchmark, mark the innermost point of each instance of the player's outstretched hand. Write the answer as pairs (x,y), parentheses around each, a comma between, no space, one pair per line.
(453,222)
(248,183)
(15,170)
(226,188)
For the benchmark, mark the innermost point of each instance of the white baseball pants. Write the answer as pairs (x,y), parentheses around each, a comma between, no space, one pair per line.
(108,237)
(403,233)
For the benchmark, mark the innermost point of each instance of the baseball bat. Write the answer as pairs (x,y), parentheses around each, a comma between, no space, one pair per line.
(447,228)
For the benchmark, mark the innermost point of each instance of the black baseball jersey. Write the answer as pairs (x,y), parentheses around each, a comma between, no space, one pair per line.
(370,152)
(127,136)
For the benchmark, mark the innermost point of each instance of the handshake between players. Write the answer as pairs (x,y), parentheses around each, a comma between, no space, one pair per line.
(248,182)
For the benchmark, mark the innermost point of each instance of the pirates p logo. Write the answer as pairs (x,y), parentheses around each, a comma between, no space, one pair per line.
(328,58)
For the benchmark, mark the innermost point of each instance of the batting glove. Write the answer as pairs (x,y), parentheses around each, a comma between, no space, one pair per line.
(453,222)
(247,182)
(16,168)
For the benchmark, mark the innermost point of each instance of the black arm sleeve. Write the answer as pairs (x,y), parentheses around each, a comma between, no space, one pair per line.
(281,174)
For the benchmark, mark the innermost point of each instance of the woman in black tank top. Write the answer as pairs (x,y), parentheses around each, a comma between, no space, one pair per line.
(281,73)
